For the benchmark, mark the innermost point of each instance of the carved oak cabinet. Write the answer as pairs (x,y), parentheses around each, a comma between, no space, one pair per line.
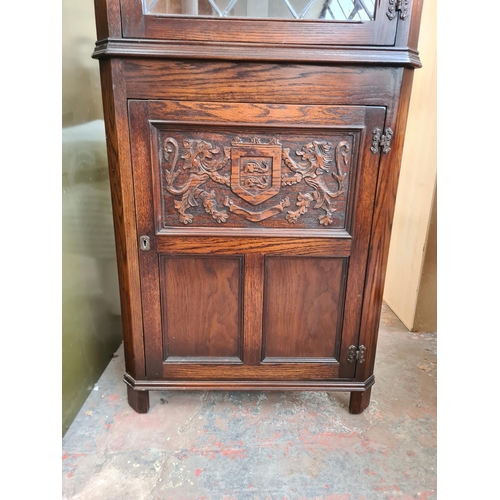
(254,150)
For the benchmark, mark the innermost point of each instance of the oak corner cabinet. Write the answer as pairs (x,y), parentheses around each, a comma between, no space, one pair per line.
(254,150)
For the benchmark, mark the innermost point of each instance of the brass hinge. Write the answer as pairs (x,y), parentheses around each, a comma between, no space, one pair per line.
(379,140)
(356,355)
(395,6)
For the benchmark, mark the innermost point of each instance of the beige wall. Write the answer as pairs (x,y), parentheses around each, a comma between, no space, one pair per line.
(91,317)
(426,310)
(416,189)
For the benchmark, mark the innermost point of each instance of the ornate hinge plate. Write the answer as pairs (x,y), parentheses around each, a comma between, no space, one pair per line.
(354,354)
(379,140)
(395,6)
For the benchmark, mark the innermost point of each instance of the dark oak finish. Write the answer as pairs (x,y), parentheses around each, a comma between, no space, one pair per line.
(338,243)
(202,306)
(359,401)
(222,81)
(253,385)
(253,188)
(138,400)
(303,300)
(390,56)
(267,371)
(122,196)
(135,24)
(381,229)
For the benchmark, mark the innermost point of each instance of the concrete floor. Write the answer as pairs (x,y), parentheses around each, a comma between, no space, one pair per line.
(263,445)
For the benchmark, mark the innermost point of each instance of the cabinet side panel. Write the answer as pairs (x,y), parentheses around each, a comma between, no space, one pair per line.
(201,303)
(122,194)
(382,225)
(303,303)
(107,19)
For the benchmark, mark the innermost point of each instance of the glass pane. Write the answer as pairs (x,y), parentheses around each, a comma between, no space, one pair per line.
(327,10)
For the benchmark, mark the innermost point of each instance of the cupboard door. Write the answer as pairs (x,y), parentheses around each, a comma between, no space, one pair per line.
(253,223)
(265,23)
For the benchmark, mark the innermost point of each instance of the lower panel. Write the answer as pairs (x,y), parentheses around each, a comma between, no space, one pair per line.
(201,307)
(303,308)
(301,371)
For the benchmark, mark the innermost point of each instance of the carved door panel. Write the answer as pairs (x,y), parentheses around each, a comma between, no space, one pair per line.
(253,223)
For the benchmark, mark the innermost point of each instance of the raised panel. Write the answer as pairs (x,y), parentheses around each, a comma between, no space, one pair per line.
(254,177)
(202,308)
(256,323)
(303,308)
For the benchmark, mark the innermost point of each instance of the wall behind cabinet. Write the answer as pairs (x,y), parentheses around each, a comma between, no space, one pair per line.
(410,286)
(91,309)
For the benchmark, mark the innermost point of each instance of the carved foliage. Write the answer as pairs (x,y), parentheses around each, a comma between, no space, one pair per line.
(199,161)
(317,161)
(259,169)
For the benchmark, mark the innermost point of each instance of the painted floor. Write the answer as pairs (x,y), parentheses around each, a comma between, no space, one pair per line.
(263,445)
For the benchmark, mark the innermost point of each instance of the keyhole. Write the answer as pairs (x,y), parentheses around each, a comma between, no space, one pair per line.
(144,242)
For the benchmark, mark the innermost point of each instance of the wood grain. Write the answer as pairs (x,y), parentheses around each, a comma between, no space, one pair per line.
(296,78)
(208,176)
(303,307)
(122,197)
(167,49)
(202,306)
(230,245)
(282,371)
(148,261)
(107,19)
(385,201)
(379,32)
(253,308)
(259,82)
(257,113)
(363,200)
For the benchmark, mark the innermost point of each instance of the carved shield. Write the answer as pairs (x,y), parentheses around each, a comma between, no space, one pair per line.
(255,170)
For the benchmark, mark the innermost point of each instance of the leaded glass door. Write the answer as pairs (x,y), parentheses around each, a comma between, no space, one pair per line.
(268,22)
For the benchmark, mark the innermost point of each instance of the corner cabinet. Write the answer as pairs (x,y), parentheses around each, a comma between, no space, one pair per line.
(254,151)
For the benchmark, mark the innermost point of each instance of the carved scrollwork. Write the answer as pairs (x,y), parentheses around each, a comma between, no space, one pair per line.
(256,166)
(317,162)
(256,216)
(201,162)
(257,140)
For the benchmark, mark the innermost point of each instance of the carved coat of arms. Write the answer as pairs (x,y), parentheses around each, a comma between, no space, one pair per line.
(255,176)
(255,170)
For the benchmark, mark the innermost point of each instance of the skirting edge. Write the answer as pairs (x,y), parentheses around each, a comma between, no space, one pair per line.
(248,385)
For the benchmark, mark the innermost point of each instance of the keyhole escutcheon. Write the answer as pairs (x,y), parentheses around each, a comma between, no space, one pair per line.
(144,243)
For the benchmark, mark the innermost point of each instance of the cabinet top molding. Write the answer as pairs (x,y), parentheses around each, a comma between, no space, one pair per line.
(124,30)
